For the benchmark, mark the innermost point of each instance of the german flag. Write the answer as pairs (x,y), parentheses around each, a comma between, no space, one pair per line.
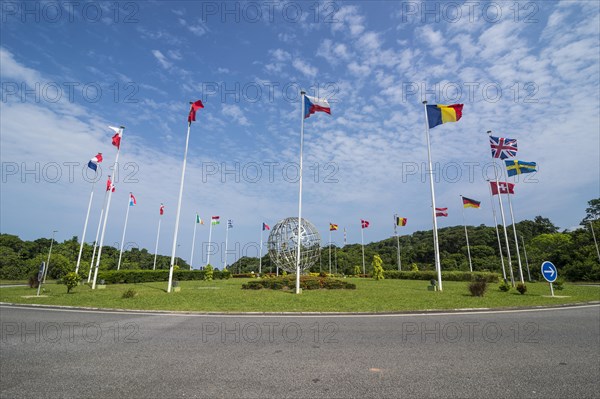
(469,203)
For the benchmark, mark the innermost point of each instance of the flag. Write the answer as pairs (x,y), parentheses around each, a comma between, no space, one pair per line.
(313,104)
(441,212)
(439,113)
(401,221)
(194,107)
(265,226)
(364,223)
(116,139)
(198,220)
(132,200)
(502,188)
(503,147)
(469,203)
(229,224)
(333,227)
(517,167)
(162,209)
(215,220)
(109,185)
(93,163)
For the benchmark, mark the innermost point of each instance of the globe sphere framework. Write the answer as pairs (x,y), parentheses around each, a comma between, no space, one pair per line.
(283,244)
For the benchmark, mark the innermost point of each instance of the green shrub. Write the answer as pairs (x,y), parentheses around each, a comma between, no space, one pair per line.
(130,293)
(306,283)
(208,273)
(505,286)
(146,276)
(558,284)
(522,288)
(377,268)
(478,287)
(225,274)
(70,280)
(414,267)
(446,276)
(356,270)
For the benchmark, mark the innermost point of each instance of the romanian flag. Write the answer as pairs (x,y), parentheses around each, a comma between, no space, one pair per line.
(514,167)
(401,221)
(439,113)
(469,203)
(313,104)
(333,227)
(195,106)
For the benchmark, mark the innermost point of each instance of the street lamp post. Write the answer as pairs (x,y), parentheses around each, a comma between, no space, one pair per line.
(49,253)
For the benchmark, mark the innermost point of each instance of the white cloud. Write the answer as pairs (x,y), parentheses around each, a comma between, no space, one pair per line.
(236,113)
(305,68)
(162,60)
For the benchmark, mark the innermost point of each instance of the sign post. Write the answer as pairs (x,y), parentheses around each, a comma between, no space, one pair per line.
(550,274)
(40,276)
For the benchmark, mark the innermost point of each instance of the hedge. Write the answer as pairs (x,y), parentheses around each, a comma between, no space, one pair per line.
(147,276)
(306,283)
(446,276)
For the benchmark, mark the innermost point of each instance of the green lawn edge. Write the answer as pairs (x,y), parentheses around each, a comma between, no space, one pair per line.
(370,296)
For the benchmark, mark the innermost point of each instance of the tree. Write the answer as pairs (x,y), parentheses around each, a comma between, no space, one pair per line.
(377,268)
(592,211)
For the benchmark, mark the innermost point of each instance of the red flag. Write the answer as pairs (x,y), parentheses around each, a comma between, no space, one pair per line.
(162,209)
(116,139)
(109,185)
(441,212)
(364,223)
(195,107)
(502,188)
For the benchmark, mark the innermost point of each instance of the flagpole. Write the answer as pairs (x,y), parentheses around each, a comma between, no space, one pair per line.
(87,216)
(124,229)
(497,231)
(97,235)
(512,216)
(595,242)
(345,237)
(174,248)
(299,234)
(226,239)
(436,246)
(115,165)
(362,242)
(330,248)
(466,234)
(397,241)
(209,242)
(512,278)
(335,257)
(261,247)
(193,242)
(526,261)
(156,247)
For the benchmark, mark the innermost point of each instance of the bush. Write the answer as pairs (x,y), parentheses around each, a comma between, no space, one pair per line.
(446,276)
(377,268)
(147,276)
(208,273)
(306,283)
(505,286)
(130,293)
(522,288)
(33,281)
(356,270)
(478,287)
(558,284)
(71,280)
(225,274)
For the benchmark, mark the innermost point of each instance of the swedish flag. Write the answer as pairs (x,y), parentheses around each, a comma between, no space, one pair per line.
(514,167)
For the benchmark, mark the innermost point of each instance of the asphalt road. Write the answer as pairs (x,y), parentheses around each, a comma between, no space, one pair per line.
(47,353)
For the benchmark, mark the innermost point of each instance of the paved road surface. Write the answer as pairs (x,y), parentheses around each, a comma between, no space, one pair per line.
(48,353)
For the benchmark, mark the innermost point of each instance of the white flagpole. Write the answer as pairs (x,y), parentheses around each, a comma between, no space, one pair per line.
(497,231)
(261,247)
(466,234)
(124,230)
(193,242)
(345,242)
(49,253)
(362,242)
(187,141)
(209,241)
(436,247)
(115,165)
(397,241)
(87,217)
(226,239)
(512,216)
(335,257)
(512,278)
(97,235)
(595,242)
(299,234)
(330,248)
(526,261)
(156,247)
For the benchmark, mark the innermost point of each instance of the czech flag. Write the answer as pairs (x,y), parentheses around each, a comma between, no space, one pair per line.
(441,212)
(116,139)
(194,107)
(132,200)
(93,163)
(266,226)
(364,224)
(439,113)
(313,104)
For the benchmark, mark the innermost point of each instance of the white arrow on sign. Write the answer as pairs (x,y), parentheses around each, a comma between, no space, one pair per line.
(549,271)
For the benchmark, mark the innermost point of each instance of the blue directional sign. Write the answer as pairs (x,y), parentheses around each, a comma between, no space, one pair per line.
(549,272)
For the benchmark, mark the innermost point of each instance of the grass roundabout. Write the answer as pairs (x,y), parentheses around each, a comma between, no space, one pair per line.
(228,296)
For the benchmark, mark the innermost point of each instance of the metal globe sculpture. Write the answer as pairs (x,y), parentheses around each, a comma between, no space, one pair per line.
(283,244)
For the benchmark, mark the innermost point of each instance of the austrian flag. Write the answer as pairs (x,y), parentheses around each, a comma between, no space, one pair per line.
(441,212)
(93,163)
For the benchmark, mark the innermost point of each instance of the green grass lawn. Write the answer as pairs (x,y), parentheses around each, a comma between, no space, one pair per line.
(369,296)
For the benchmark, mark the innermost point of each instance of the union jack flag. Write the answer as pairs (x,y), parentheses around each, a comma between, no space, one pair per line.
(503,147)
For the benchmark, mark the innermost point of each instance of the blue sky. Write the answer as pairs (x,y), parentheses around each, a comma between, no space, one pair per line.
(525,70)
